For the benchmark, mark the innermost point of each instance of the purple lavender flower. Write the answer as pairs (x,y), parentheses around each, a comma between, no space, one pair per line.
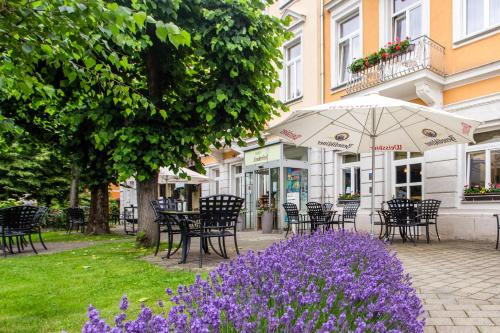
(325,282)
(124,303)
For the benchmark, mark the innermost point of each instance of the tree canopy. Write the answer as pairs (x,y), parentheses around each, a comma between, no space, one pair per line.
(135,85)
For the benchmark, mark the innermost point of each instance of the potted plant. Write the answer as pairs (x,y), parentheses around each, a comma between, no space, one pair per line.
(479,193)
(390,50)
(266,214)
(345,198)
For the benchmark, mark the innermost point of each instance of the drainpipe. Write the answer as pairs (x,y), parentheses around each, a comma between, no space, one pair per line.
(322,94)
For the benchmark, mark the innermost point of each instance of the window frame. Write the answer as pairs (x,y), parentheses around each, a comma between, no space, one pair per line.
(460,35)
(406,13)
(338,16)
(407,162)
(295,41)
(215,188)
(351,166)
(385,16)
(234,176)
(349,40)
(487,148)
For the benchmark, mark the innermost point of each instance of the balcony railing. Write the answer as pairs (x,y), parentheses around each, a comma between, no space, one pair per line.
(423,53)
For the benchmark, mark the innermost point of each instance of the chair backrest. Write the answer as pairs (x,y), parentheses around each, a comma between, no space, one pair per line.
(220,211)
(429,208)
(40,215)
(350,210)
(327,206)
(401,210)
(19,217)
(157,208)
(130,213)
(75,214)
(316,212)
(291,210)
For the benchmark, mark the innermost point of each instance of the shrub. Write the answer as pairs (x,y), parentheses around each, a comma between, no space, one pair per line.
(331,282)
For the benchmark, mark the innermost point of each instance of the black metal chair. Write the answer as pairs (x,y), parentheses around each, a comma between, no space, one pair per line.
(218,219)
(130,218)
(349,214)
(38,222)
(427,214)
(165,224)
(498,228)
(76,218)
(403,217)
(319,217)
(16,223)
(294,218)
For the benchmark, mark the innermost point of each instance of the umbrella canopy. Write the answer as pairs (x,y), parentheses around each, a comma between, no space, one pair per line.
(168,176)
(351,124)
(374,123)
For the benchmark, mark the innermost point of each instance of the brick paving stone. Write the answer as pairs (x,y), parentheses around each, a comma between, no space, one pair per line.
(459,321)
(447,314)
(438,321)
(483,313)
(489,329)
(456,329)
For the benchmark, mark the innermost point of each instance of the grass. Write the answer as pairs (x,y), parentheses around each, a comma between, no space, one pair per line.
(62,236)
(51,293)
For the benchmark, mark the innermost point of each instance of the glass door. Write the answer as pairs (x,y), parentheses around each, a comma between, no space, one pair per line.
(250,212)
(262,192)
(275,195)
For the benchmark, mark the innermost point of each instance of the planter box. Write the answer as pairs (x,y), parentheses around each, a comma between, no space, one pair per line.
(267,222)
(345,201)
(482,197)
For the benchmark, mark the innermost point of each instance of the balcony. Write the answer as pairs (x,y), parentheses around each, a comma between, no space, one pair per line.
(423,54)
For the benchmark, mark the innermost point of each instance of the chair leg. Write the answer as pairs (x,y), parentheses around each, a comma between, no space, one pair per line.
(4,249)
(41,240)
(224,247)
(498,232)
(236,244)
(18,240)
(437,233)
(427,233)
(287,230)
(31,243)
(202,245)
(158,240)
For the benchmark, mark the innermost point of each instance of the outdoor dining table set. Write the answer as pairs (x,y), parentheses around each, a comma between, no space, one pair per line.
(319,217)
(215,221)
(402,216)
(18,224)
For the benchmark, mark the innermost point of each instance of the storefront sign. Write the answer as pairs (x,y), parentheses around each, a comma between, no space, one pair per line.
(293,197)
(263,155)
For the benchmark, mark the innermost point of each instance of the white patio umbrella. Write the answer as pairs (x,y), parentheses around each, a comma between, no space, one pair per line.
(168,176)
(374,123)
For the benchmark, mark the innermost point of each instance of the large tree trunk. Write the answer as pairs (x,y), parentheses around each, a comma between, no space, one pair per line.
(147,231)
(99,211)
(74,189)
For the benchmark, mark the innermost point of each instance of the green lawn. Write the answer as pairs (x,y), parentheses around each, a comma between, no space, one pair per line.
(50,293)
(62,236)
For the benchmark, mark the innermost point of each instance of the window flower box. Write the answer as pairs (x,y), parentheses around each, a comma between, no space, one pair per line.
(346,198)
(482,194)
(389,51)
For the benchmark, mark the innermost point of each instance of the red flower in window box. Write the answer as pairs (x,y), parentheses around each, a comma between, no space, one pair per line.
(398,47)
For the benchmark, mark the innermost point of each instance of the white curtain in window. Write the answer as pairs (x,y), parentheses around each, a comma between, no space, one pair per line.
(415,22)
(494,12)
(475,15)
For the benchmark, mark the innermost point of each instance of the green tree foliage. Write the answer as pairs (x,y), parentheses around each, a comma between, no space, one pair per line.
(141,84)
(32,171)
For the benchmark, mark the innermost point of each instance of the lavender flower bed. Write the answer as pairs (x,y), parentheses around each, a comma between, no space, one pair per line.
(327,282)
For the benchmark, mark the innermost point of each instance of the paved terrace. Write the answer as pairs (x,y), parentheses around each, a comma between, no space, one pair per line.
(458,281)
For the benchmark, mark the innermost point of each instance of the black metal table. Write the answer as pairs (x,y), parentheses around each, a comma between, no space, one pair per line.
(186,220)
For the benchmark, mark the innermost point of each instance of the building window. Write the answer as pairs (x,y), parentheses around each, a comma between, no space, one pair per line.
(348,45)
(408,175)
(293,70)
(406,19)
(237,181)
(215,175)
(483,168)
(351,174)
(481,14)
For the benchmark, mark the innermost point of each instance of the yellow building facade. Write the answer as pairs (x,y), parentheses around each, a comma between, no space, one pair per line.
(452,63)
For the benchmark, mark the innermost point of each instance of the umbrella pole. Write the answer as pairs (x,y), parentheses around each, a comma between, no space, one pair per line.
(372,214)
